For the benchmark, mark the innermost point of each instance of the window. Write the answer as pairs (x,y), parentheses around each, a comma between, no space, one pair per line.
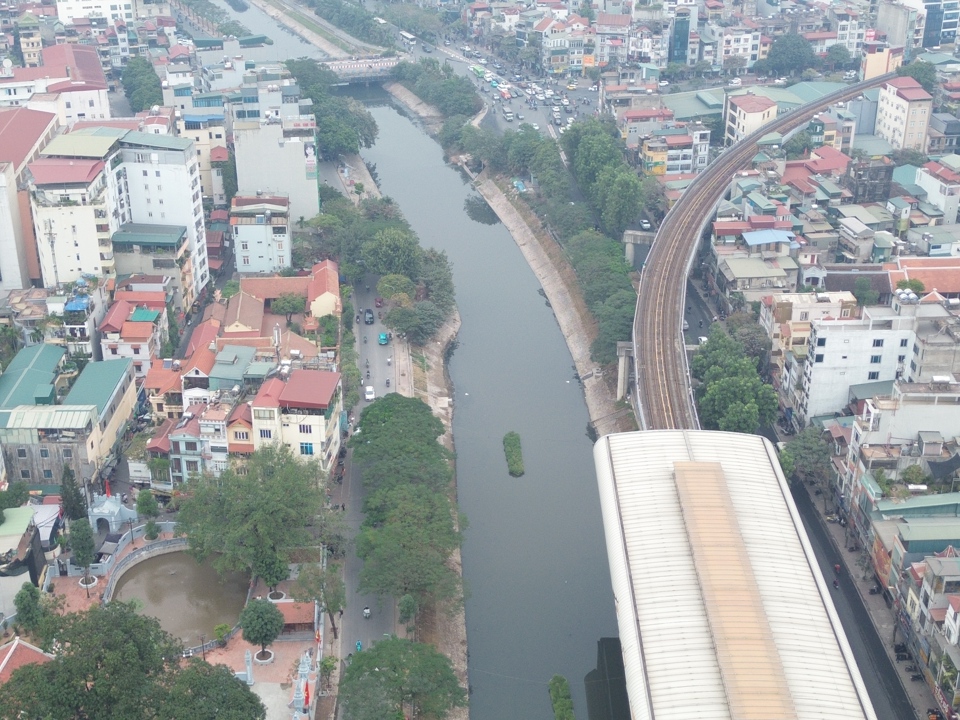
(873,376)
(901,358)
(24,474)
(48,474)
(266,434)
(306,448)
(821,342)
(818,358)
(306,429)
(246,259)
(903,342)
(67,454)
(44,453)
(878,342)
(244,246)
(190,446)
(804,316)
(145,175)
(21,452)
(136,350)
(263,414)
(241,435)
(193,466)
(875,359)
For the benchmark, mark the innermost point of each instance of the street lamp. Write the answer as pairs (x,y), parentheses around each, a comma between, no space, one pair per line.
(203,646)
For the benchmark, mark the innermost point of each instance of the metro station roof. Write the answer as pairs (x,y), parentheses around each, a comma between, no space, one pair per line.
(722,610)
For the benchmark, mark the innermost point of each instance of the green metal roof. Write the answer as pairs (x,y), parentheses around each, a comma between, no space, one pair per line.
(231,365)
(145,234)
(144,315)
(80,144)
(15,523)
(865,391)
(97,382)
(30,374)
(926,528)
(159,142)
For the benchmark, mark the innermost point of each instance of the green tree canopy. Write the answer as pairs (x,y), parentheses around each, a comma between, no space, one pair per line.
(115,664)
(323,585)
(270,567)
(29,610)
(914,284)
(392,251)
(864,294)
(141,84)
(398,289)
(74,504)
(837,57)
(810,456)
(270,507)
(15,495)
(147,505)
(288,304)
(82,544)
(790,54)
(261,623)
(923,72)
(396,673)
(908,156)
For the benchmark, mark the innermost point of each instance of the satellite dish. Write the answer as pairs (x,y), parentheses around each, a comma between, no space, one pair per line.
(7,63)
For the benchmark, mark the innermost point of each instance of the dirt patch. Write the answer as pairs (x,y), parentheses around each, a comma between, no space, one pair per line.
(431,117)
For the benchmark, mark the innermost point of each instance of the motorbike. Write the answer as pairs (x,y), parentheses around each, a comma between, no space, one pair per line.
(389,361)
(911,668)
(366,613)
(899,647)
(874,591)
(364,339)
(902,656)
(368,374)
(836,584)
(916,677)
(367,363)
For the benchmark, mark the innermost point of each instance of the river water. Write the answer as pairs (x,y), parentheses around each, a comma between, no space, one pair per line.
(285,45)
(534,558)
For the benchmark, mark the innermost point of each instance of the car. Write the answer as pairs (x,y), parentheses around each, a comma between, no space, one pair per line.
(541,97)
(569,121)
(571,86)
(736,82)
(563,129)
(378,302)
(556,109)
(368,317)
(557,121)
(520,117)
(645,225)
(483,61)
(702,340)
(369,394)
(535,126)
(565,101)
(664,83)
(514,93)
(686,325)
(568,109)
(383,339)
(427,48)
(446,42)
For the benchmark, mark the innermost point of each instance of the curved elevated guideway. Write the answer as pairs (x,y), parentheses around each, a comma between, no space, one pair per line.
(664,397)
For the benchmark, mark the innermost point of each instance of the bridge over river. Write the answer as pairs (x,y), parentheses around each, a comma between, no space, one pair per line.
(364,70)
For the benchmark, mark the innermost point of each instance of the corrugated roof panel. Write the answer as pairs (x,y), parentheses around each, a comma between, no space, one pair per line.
(666,633)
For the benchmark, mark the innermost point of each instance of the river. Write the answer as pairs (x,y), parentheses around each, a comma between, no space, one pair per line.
(285,44)
(534,558)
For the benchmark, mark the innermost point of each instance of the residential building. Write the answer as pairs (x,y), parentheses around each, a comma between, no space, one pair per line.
(943,133)
(902,23)
(28,28)
(903,113)
(740,46)
(679,149)
(879,58)
(152,180)
(612,38)
(138,333)
(72,318)
(68,10)
(198,442)
(23,133)
(745,113)
(208,132)
(261,233)
(868,179)
(942,186)
(140,248)
(164,389)
(849,26)
(300,409)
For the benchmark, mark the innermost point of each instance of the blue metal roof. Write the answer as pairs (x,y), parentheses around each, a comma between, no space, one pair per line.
(766,237)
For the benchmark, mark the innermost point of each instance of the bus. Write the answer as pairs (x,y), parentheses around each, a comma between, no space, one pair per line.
(479,70)
(408,38)
(507,114)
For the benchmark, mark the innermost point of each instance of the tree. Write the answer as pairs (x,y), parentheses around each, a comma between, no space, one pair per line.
(863,292)
(791,53)
(74,504)
(837,56)
(141,84)
(147,505)
(208,692)
(395,673)
(923,72)
(231,288)
(798,145)
(914,475)
(15,495)
(392,251)
(81,542)
(261,623)
(114,664)
(398,289)
(810,456)
(271,568)
(288,304)
(235,517)
(323,585)
(914,284)
(29,610)
(906,156)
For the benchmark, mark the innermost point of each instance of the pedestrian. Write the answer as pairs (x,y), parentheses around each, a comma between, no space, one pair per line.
(341,613)
(343,507)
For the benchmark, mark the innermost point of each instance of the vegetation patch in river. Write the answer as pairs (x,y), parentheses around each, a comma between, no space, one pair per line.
(479,211)
(514,453)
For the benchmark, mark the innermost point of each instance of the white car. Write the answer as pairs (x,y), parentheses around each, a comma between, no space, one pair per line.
(535,126)
(541,97)
(369,394)
(736,82)
(556,109)
(664,83)
(565,101)
(483,61)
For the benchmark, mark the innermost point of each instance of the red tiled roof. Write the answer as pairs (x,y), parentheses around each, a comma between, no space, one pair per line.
(219,215)
(243,201)
(154,300)
(614,20)
(160,442)
(245,310)
(648,114)
(116,316)
(310,389)
(942,173)
(204,334)
(295,613)
(289,340)
(752,103)
(202,359)
(56,171)
(83,61)
(17,654)
(136,330)
(161,380)
(242,413)
(326,279)
(20,129)
(269,394)
(270,288)
(219,154)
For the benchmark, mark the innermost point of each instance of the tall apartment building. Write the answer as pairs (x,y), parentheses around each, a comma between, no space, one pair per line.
(68,10)
(30,41)
(902,23)
(151,180)
(23,133)
(903,113)
(745,113)
(942,185)
(739,42)
(261,233)
(680,149)
(879,58)
(208,132)
(849,26)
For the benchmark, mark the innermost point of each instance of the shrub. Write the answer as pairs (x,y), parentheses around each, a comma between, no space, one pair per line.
(511,448)
(560,698)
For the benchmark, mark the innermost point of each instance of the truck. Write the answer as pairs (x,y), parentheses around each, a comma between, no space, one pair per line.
(508,114)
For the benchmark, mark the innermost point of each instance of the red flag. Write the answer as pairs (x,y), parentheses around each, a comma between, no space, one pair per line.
(306,695)
(106,484)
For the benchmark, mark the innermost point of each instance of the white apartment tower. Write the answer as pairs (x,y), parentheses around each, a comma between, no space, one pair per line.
(261,233)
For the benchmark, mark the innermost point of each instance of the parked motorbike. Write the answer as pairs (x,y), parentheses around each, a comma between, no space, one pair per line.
(916,677)
(899,647)
(874,591)
(911,668)
(902,656)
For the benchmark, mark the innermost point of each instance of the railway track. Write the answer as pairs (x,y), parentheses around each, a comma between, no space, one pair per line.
(664,396)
